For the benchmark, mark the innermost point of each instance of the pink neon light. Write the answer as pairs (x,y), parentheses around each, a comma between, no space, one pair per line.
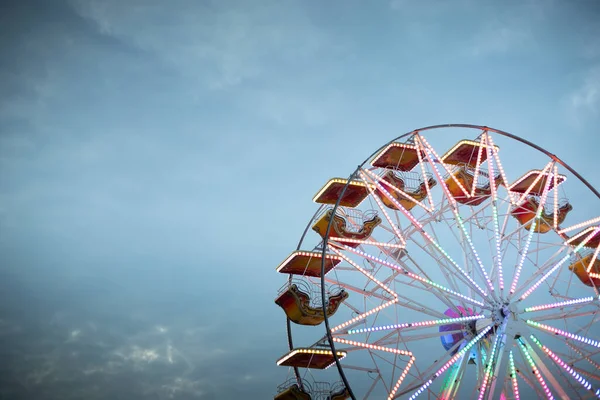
(560,332)
(423,232)
(447,365)
(412,275)
(389,350)
(563,364)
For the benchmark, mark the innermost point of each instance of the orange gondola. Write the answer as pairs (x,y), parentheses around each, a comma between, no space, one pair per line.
(413,187)
(579,268)
(465,176)
(300,306)
(526,211)
(346,225)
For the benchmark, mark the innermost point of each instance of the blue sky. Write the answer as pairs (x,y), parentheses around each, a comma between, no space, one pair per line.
(158,161)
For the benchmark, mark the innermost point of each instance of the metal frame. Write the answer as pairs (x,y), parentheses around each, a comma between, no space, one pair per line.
(356,175)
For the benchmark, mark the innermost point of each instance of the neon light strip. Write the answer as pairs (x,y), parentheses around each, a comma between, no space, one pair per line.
(497,159)
(541,174)
(422,230)
(535,222)
(561,304)
(579,225)
(463,228)
(580,234)
(490,365)
(513,375)
(437,157)
(481,267)
(382,207)
(535,370)
(561,262)
(593,259)
(389,350)
(444,321)
(364,272)
(494,189)
(413,275)
(560,332)
(584,356)
(458,355)
(562,364)
(376,179)
(447,386)
(374,310)
(422,165)
(476,174)
(340,354)
(403,193)
(556,183)
(363,315)
(350,240)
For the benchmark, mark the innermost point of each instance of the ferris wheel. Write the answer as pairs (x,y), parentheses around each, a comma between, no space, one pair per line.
(449,264)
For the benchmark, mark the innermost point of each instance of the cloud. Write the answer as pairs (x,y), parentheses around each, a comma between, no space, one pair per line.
(220,45)
(500,40)
(584,102)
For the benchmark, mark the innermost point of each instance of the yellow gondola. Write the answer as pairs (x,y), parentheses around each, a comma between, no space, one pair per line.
(296,304)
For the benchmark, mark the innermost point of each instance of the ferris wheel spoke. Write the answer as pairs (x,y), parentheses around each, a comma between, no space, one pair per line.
(583,224)
(422,230)
(585,329)
(494,202)
(413,276)
(565,366)
(584,356)
(496,157)
(450,362)
(414,337)
(356,290)
(453,377)
(513,377)
(524,373)
(459,220)
(494,362)
(557,257)
(423,145)
(450,273)
(576,302)
(551,378)
(536,372)
(559,264)
(407,368)
(440,295)
(560,332)
(417,324)
(564,315)
(535,222)
(424,375)
(375,179)
(446,271)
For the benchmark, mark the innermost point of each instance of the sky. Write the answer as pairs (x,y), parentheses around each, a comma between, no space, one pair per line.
(158,161)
